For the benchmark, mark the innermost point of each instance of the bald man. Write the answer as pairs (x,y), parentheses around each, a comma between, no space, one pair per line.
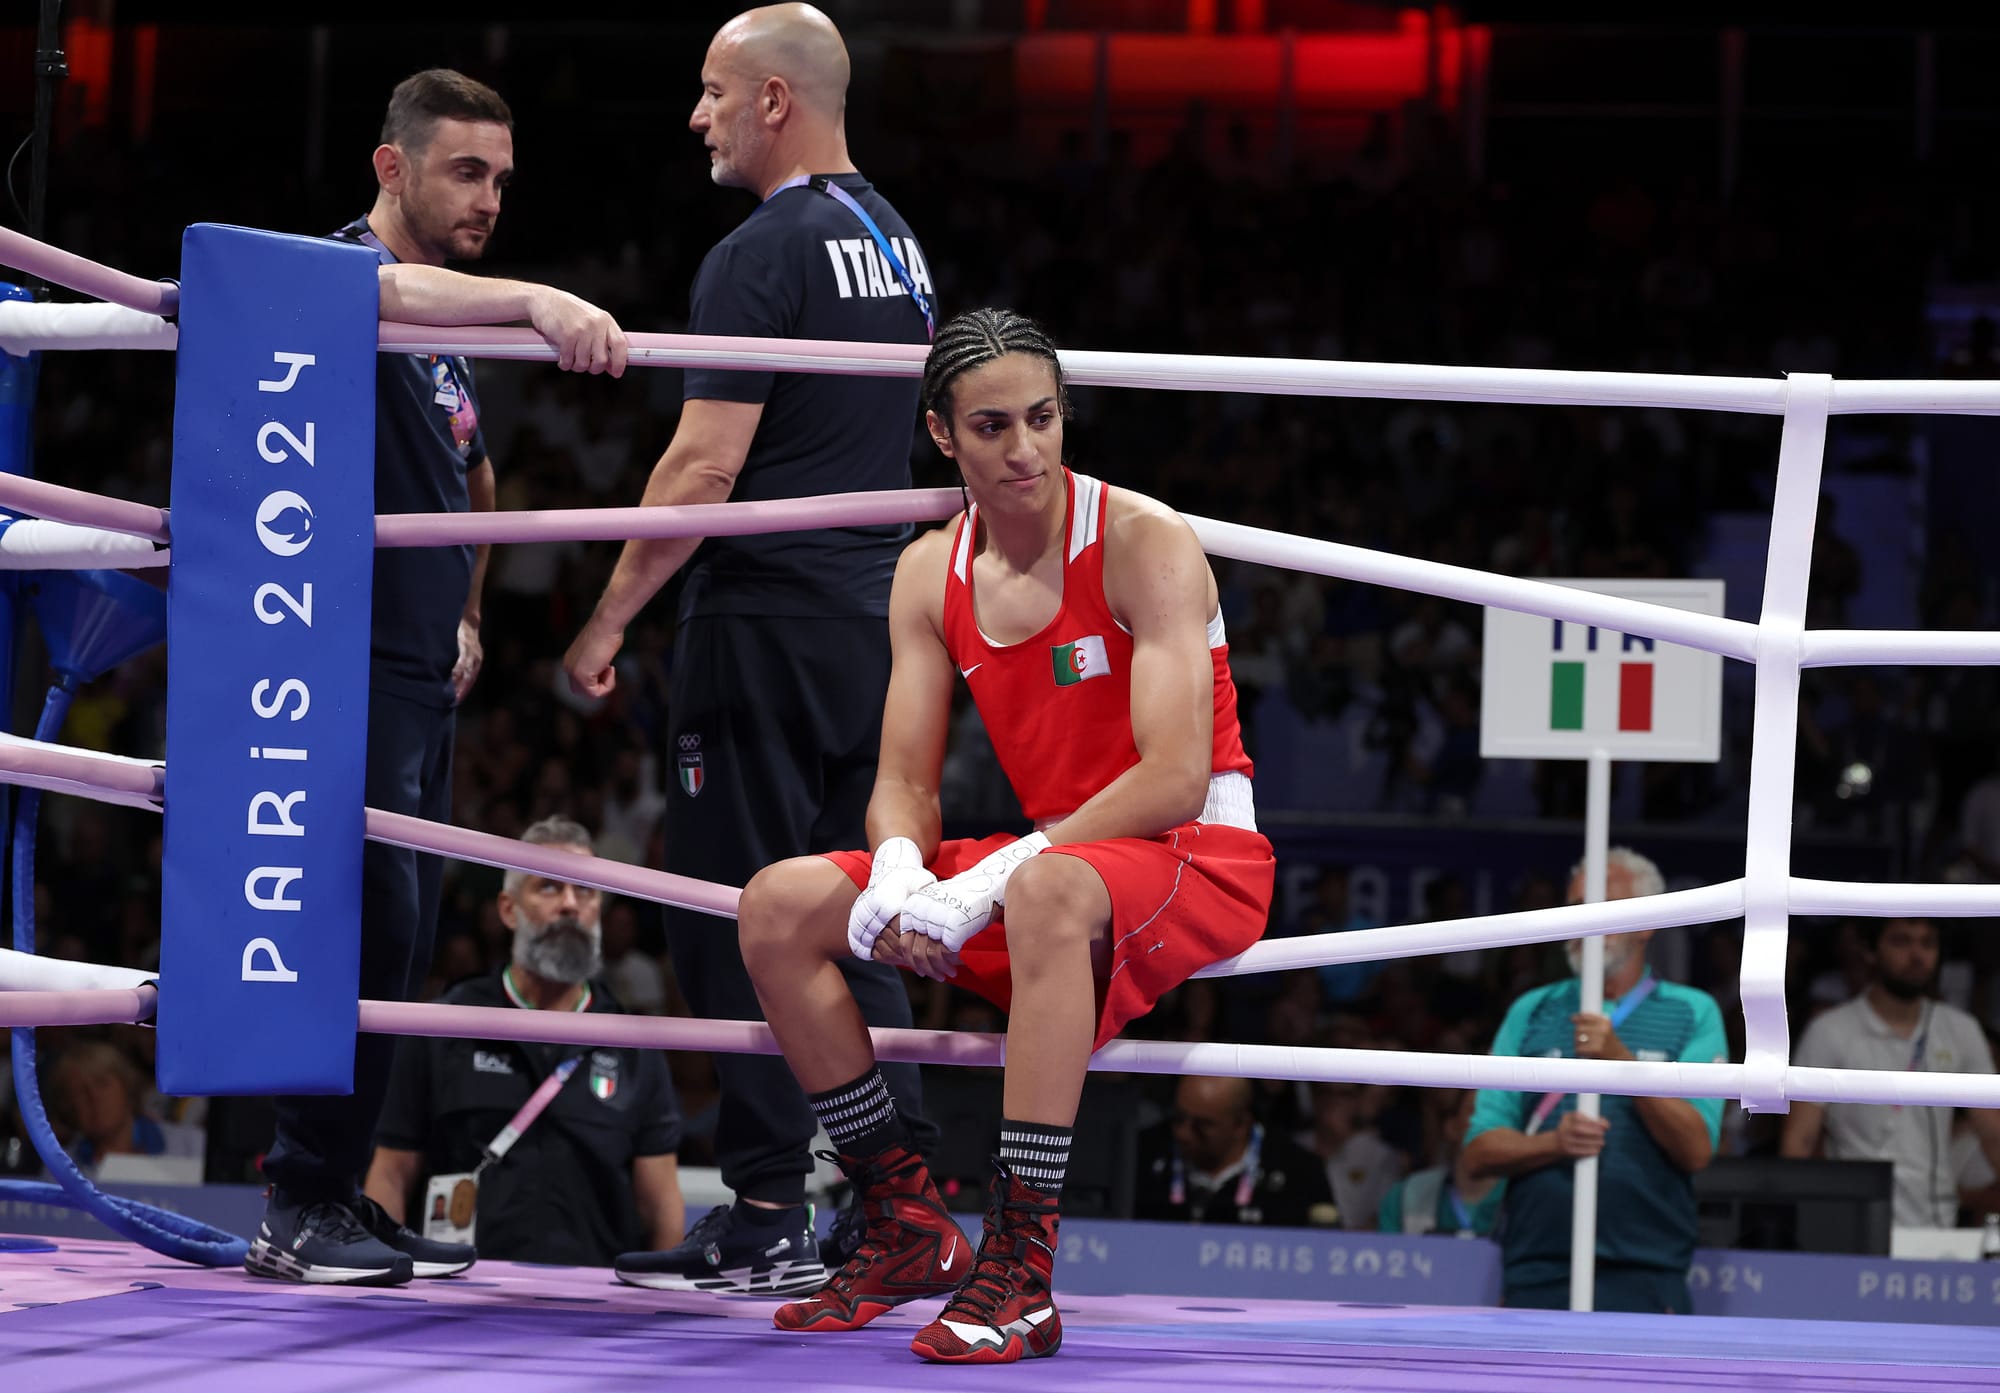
(1212,1162)
(796,622)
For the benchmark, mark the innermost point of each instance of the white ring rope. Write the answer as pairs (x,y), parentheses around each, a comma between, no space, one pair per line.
(37,544)
(27,327)
(1778,644)
(31,972)
(1701,905)
(1902,1088)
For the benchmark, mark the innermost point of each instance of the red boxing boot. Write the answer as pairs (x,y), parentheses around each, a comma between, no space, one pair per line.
(1005,1310)
(913,1248)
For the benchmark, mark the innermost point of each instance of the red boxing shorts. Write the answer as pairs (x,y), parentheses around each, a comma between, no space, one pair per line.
(1191,896)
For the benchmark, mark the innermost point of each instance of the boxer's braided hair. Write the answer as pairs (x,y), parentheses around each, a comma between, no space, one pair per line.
(976,338)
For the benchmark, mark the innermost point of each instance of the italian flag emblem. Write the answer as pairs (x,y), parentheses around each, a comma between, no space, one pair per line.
(1635,696)
(1080,661)
(603,1075)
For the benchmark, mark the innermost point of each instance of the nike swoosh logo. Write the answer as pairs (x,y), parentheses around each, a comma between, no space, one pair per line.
(951,1257)
(968,671)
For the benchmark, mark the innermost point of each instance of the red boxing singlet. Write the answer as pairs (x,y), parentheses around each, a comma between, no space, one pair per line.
(1058,706)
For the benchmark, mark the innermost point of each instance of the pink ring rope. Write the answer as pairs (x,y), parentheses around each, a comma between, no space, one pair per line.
(829,356)
(126,780)
(684,520)
(60,503)
(118,1006)
(87,277)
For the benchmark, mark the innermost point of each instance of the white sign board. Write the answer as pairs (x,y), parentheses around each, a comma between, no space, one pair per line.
(1558,690)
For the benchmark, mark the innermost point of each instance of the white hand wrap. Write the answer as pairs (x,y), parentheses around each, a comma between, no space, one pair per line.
(896,873)
(952,911)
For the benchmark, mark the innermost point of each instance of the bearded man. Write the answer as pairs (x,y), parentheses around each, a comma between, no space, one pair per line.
(1648,1148)
(1897,1024)
(591,1173)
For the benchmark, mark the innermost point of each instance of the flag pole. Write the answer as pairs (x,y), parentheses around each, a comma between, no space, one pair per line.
(1596,847)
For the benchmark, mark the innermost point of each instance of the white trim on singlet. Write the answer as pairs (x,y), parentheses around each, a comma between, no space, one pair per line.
(1218,632)
(1086,526)
(966,532)
(1231,802)
(1086,517)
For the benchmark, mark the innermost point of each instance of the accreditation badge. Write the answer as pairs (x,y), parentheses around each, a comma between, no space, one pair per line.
(451,1204)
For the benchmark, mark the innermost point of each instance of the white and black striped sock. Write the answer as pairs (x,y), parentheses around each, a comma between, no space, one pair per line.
(1036,1153)
(859,1117)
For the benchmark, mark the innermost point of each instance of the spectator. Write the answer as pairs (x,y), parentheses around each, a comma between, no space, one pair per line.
(1648,1148)
(97,1091)
(1978,1183)
(1439,1199)
(634,974)
(634,803)
(1979,830)
(1332,911)
(1360,1166)
(1212,1162)
(594,1173)
(1896,1024)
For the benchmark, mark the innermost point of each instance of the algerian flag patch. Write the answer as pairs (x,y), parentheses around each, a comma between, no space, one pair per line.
(1080,661)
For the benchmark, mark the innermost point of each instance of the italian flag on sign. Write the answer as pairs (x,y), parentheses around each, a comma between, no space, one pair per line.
(1635,696)
(1080,661)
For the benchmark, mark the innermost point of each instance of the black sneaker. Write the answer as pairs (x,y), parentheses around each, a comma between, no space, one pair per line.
(428,1257)
(322,1242)
(722,1253)
(843,1238)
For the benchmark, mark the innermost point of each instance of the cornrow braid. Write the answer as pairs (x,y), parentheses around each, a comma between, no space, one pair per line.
(976,338)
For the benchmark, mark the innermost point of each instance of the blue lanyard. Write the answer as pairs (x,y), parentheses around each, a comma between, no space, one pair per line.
(1458,1208)
(1920,1047)
(1631,1001)
(825,185)
(1922,1044)
(1621,1013)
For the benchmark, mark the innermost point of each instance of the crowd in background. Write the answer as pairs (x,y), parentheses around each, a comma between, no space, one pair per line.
(1404,257)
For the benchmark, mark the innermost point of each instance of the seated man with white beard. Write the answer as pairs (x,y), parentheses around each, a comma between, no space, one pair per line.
(590,1174)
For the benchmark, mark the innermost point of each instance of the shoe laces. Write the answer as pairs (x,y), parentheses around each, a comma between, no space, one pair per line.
(1002,1258)
(334,1221)
(373,1217)
(991,1280)
(709,1226)
(850,1226)
(864,1173)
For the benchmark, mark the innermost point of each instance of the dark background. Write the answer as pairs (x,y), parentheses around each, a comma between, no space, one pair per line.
(1686,189)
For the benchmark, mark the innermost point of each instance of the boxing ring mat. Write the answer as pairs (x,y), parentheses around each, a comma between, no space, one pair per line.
(103,1317)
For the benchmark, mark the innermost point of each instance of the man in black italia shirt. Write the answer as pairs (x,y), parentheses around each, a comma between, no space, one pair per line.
(781,659)
(596,1171)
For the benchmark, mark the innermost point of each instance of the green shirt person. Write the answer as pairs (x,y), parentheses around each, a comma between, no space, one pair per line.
(1648,1148)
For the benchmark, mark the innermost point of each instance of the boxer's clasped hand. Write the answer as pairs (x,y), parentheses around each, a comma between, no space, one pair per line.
(909,949)
(896,873)
(953,911)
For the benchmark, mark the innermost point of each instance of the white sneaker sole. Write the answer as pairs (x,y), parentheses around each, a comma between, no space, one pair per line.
(439,1269)
(263,1260)
(783,1279)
